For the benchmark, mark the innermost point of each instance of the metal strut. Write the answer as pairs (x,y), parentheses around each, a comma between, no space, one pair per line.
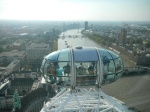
(83,100)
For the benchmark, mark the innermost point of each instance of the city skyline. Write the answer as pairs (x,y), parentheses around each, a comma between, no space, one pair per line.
(70,10)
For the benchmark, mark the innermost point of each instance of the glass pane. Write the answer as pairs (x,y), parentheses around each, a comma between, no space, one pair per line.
(110,77)
(63,73)
(109,67)
(86,73)
(42,65)
(114,55)
(53,56)
(43,62)
(105,54)
(118,75)
(46,66)
(109,71)
(85,54)
(119,65)
(50,71)
(64,55)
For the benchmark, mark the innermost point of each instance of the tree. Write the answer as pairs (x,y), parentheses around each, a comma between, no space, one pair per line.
(139,41)
(147,44)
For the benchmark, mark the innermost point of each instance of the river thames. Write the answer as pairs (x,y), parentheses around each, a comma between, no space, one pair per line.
(133,90)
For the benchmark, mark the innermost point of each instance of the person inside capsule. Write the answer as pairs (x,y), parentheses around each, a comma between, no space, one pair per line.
(66,69)
(91,68)
(81,69)
(51,69)
(86,73)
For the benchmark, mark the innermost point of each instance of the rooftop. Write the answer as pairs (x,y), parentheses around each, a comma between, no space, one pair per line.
(13,63)
(13,53)
(34,45)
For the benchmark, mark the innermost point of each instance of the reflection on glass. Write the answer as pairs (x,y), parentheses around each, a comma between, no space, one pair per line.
(114,55)
(105,54)
(119,65)
(55,69)
(64,55)
(112,66)
(42,65)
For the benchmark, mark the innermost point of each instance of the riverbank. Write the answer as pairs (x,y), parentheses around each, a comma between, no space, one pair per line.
(133,89)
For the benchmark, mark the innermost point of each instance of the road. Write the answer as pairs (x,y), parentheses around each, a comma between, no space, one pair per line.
(134,90)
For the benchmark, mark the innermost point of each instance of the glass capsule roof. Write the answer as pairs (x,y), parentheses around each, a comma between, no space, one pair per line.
(81,54)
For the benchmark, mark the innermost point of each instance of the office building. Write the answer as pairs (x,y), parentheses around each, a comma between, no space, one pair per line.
(36,52)
(7,57)
(86,25)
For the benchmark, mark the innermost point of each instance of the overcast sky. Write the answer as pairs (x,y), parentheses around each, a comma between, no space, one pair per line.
(90,10)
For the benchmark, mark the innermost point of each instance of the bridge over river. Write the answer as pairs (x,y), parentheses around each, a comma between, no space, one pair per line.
(136,70)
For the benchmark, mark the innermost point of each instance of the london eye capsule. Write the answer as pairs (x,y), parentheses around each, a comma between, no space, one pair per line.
(82,66)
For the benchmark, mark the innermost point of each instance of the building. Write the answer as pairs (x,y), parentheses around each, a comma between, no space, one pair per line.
(36,52)
(86,25)
(2,71)
(6,71)
(142,60)
(22,82)
(13,66)
(30,89)
(6,103)
(123,36)
(18,45)
(7,57)
(92,27)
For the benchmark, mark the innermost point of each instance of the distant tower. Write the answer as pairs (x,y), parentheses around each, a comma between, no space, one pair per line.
(78,26)
(17,102)
(86,25)
(131,42)
(64,27)
(123,36)
(91,26)
(54,33)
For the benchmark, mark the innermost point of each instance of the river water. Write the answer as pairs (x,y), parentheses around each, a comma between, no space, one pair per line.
(134,90)
(74,38)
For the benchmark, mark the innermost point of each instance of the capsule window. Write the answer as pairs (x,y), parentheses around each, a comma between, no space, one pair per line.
(86,73)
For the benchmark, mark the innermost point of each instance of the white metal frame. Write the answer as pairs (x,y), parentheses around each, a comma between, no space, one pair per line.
(83,100)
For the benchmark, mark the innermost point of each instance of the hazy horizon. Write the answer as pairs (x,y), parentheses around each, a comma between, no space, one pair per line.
(75,10)
(70,20)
